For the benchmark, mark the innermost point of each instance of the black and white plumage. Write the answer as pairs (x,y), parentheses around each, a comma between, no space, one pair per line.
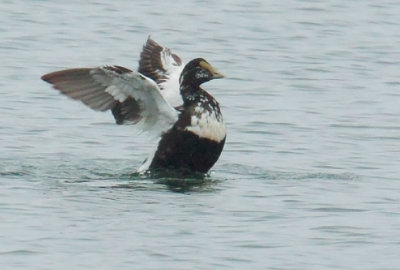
(163,67)
(164,98)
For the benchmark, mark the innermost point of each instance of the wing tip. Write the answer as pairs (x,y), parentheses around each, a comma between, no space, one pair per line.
(47,77)
(152,43)
(151,47)
(54,77)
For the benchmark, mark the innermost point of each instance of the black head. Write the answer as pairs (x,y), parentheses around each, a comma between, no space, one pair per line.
(198,71)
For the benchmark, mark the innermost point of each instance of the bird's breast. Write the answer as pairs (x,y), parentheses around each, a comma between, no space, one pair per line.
(207,122)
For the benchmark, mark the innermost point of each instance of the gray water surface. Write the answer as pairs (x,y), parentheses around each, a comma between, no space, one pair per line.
(309,177)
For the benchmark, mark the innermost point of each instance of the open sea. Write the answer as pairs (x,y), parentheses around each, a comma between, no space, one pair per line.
(310,174)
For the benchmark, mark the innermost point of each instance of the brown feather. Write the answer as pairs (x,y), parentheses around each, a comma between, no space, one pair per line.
(79,84)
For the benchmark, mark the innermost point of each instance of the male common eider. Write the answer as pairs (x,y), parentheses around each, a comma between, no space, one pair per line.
(164,97)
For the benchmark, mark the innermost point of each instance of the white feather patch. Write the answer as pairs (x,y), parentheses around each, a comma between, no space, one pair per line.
(207,125)
(170,86)
(116,93)
(146,164)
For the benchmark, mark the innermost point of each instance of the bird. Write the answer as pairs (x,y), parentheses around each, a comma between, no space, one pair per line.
(163,97)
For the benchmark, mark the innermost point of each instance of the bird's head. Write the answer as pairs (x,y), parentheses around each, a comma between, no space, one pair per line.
(198,71)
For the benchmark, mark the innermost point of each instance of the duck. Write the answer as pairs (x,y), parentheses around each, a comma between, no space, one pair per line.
(163,97)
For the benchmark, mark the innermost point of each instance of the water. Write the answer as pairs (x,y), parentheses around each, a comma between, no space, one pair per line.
(309,178)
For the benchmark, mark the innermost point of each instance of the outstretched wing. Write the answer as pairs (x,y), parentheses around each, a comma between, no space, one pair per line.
(164,67)
(132,97)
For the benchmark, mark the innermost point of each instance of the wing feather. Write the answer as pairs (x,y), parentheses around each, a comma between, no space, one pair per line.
(163,67)
(132,97)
